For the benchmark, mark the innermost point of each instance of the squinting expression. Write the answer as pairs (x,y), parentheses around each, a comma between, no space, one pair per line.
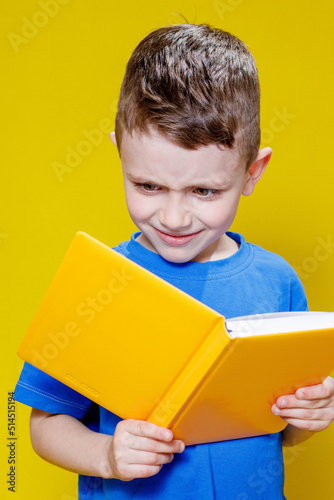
(183,201)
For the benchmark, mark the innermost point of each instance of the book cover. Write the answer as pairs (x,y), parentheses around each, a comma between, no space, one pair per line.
(143,349)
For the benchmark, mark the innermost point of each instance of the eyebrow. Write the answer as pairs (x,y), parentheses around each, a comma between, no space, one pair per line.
(146,180)
(139,180)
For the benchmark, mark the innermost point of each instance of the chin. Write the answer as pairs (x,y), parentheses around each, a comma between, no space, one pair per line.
(176,259)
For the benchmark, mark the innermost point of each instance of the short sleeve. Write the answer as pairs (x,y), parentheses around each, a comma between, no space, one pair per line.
(298,299)
(39,390)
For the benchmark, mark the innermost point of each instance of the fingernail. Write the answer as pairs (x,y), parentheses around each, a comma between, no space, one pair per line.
(168,436)
(275,410)
(281,403)
(182,447)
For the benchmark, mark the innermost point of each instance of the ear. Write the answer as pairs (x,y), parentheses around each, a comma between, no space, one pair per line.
(112,136)
(256,170)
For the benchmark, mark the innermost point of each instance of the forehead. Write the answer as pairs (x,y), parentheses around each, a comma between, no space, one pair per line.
(153,155)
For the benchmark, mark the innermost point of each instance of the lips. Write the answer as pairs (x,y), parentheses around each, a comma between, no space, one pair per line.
(176,240)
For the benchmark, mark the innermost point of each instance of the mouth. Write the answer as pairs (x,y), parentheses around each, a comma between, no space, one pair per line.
(176,239)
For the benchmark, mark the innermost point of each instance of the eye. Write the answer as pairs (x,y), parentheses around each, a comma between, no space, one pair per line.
(149,187)
(205,192)
(146,188)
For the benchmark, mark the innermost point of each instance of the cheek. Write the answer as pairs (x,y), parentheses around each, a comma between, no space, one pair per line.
(220,216)
(138,208)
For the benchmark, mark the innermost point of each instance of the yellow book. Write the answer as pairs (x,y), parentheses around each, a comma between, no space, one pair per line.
(144,349)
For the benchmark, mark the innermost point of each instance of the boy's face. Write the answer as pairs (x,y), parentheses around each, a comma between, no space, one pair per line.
(183,201)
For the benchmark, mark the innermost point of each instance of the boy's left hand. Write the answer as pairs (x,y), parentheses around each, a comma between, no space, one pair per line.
(309,408)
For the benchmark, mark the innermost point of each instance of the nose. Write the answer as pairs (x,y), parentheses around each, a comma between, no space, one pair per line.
(175,215)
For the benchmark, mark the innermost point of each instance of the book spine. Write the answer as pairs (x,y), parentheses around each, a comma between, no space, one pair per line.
(193,374)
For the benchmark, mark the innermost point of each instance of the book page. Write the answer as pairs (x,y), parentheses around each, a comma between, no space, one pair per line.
(282,322)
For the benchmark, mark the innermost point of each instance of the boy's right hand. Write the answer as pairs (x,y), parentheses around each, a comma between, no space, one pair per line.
(139,449)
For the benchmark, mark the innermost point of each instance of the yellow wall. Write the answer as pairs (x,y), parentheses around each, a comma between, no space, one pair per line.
(62,65)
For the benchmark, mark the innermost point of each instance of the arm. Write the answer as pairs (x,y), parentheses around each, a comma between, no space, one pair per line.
(137,449)
(308,410)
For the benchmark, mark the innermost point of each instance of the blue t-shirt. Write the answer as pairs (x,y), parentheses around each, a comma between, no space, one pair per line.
(250,281)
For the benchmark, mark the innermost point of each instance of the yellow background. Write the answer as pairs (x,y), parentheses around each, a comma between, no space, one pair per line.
(62,66)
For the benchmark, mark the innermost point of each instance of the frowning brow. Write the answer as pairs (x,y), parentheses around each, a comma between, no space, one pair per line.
(140,179)
(205,184)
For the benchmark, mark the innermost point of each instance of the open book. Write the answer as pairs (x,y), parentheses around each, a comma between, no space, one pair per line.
(143,349)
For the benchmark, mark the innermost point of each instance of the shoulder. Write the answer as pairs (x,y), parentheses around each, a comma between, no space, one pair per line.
(263,260)
(272,260)
(275,270)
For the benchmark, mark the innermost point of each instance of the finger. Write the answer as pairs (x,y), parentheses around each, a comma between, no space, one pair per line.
(318,391)
(147,429)
(140,457)
(146,436)
(137,471)
(154,445)
(308,425)
(293,402)
(304,413)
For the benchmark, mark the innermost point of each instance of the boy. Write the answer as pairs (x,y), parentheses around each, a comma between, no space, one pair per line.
(187,130)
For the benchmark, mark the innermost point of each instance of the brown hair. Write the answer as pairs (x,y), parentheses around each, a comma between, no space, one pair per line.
(196,86)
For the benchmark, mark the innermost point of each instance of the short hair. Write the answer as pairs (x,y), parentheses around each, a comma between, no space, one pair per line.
(195,85)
